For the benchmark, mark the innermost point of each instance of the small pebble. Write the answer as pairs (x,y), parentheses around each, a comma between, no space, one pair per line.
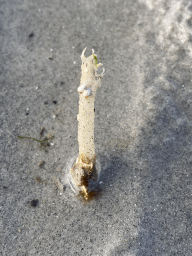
(27,111)
(38,179)
(42,131)
(34,202)
(41,163)
(31,35)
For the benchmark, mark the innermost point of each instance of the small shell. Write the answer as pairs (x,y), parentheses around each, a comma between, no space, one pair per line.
(87,92)
(81,88)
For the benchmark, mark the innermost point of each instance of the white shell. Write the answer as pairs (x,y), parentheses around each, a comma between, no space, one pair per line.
(81,88)
(87,92)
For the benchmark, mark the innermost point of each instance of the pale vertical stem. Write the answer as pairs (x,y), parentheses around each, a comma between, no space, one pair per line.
(84,168)
(86,129)
(89,83)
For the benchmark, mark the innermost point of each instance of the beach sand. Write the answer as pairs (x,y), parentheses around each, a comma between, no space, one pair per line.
(143,126)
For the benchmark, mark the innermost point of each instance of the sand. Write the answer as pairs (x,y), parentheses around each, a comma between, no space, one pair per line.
(143,124)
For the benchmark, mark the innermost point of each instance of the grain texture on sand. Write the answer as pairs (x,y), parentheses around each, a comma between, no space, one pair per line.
(143,121)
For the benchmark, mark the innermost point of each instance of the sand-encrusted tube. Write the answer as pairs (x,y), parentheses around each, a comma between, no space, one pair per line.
(84,168)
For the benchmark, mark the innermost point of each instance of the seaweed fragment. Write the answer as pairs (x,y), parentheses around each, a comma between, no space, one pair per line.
(44,143)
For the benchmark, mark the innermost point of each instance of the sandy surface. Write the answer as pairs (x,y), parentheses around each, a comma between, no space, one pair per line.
(142,127)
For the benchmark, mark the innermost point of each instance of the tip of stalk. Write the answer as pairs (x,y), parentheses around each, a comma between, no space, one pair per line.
(83,52)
